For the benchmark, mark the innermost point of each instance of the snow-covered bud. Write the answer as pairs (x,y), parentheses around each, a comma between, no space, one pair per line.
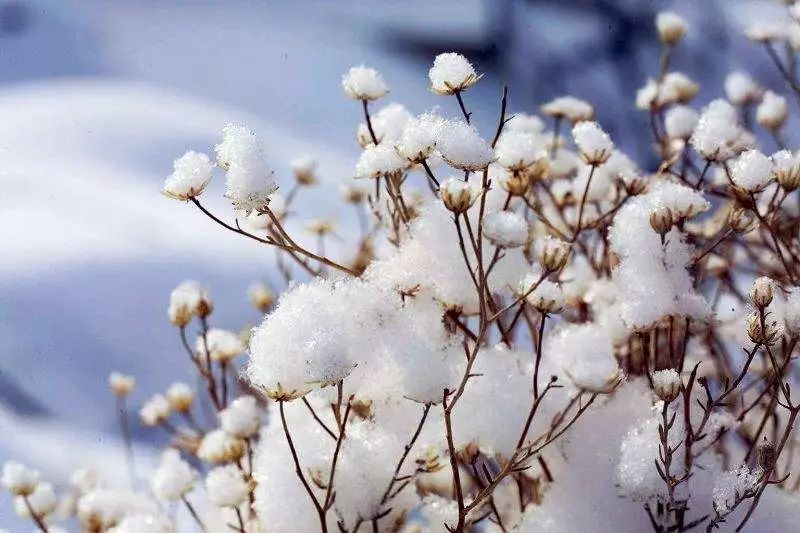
(121,384)
(154,411)
(761,292)
(362,83)
(241,418)
(452,72)
(546,298)
(518,150)
(42,501)
(223,345)
(752,171)
(379,161)
(661,220)
(786,169)
(226,486)
(505,229)
(741,220)
(458,195)
(218,447)
(680,122)
(462,147)
(173,478)
(766,456)
(352,194)
(304,170)
(419,137)
(180,397)
(667,384)
(741,89)
(671,27)
(554,254)
(186,300)
(678,87)
(249,181)
(190,176)
(767,336)
(772,111)
(568,107)
(594,144)
(18,478)
(766,33)
(260,296)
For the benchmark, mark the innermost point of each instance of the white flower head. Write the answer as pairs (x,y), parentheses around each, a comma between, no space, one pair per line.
(186,300)
(505,229)
(458,195)
(218,447)
(180,397)
(418,139)
(570,108)
(772,111)
(155,410)
(680,121)
(752,171)
(222,345)
(452,72)
(249,181)
(741,89)
(241,418)
(363,83)
(518,150)
(379,161)
(43,501)
(462,147)
(121,384)
(671,27)
(226,486)
(594,144)
(190,176)
(173,478)
(786,169)
(18,478)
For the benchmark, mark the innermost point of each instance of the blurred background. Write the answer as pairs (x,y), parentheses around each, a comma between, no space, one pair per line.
(97,97)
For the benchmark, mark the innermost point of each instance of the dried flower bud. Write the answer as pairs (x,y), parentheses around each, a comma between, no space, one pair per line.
(667,384)
(786,169)
(180,397)
(767,336)
(121,384)
(741,220)
(516,183)
(671,28)
(469,453)
(766,456)
(457,195)
(304,170)
(540,169)
(661,220)
(260,296)
(19,479)
(554,254)
(353,195)
(761,292)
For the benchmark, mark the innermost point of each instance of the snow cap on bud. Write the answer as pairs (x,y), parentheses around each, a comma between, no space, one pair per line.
(226,486)
(173,478)
(154,411)
(19,479)
(741,220)
(553,253)
(767,335)
(218,446)
(260,296)
(786,169)
(741,89)
(547,297)
(458,195)
(304,170)
(188,299)
(241,418)
(121,384)
(42,501)
(222,345)
(362,83)
(661,220)
(516,183)
(752,171)
(594,144)
(772,112)
(379,161)
(667,384)
(680,122)
(671,27)
(761,292)
(570,108)
(180,397)
(452,72)
(191,173)
(505,229)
